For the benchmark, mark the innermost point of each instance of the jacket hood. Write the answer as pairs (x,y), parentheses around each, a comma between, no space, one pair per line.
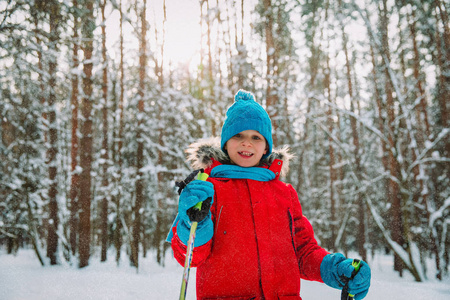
(202,153)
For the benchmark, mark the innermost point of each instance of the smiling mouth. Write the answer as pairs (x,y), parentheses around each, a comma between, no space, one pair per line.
(246,154)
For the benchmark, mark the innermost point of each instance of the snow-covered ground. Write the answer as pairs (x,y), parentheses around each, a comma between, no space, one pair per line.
(22,278)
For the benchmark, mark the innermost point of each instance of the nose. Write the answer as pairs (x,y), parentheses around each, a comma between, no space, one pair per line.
(246,142)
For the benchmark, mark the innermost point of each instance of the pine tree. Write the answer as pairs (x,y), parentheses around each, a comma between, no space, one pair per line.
(86,150)
(74,101)
(136,229)
(105,144)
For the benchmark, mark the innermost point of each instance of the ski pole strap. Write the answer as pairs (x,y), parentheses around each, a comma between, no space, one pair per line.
(345,295)
(182,184)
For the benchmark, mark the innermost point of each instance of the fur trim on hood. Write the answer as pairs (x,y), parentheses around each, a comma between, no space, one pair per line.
(201,153)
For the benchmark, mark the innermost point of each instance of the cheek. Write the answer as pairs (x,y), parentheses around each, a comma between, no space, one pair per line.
(231,145)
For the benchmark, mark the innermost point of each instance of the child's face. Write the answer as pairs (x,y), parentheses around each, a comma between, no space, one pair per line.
(246,148)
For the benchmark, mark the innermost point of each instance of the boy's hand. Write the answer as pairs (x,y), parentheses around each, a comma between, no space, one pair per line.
(337,271)
(197,215)
(195,192)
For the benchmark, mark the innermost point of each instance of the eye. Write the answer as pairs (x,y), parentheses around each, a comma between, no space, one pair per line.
(237,135)
(256,137)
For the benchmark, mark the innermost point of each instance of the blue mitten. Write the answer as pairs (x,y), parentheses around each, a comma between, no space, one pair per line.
(336,271)
(195,192)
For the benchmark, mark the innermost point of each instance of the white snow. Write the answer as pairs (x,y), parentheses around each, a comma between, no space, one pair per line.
(22,277)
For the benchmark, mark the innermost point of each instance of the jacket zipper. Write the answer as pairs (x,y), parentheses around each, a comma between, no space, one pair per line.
(256,240)
(291,228)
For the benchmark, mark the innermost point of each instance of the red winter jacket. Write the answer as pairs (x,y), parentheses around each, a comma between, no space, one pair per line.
(262,243)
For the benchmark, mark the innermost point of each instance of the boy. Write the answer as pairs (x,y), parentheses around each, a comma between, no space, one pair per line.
(252,240)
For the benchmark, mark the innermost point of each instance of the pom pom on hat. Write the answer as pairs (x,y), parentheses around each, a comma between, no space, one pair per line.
(246,114)
(243,95)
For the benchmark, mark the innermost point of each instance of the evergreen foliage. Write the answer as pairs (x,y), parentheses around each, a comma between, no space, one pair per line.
(358,90)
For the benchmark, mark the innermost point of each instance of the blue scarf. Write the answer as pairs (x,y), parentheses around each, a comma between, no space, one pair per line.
(237,172)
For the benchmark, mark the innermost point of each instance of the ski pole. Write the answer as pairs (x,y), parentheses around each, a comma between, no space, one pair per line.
(190,248)
(345,295)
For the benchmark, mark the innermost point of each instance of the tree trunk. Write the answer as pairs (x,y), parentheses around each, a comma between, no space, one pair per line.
(228,50)
(210,55)
(444,78)
(442,44)
(88,26)
(73,221)
(422,114)
(136,231)
(331,130)
(52,239)
(201,76)
(361,237)
(381,120)
(118,223)
(159,65)
(35,12)
(396,224)
(105,156)
(34,236)
(219,36)
(418,184)
(211,80)
(271,55)
(240,47)
(313,62)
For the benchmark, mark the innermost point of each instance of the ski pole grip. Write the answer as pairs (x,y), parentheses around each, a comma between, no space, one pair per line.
(203,177)
(356,263)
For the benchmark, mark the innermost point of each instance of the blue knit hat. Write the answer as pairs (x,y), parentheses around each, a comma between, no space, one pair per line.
(246,114)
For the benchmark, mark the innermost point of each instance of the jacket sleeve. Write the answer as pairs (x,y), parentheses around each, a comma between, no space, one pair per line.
(179,250)
(309,253)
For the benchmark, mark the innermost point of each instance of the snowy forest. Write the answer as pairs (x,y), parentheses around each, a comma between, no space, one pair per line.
(96,111)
